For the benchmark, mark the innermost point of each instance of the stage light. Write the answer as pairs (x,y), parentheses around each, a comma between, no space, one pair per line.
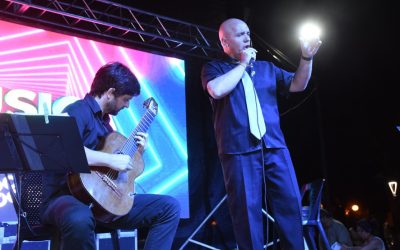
(393,187)
(355,208)
(309,31)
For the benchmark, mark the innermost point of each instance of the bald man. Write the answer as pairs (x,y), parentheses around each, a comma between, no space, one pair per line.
(249,159)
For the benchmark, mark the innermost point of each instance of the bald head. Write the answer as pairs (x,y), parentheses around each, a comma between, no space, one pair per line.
(234,35)
(228,27)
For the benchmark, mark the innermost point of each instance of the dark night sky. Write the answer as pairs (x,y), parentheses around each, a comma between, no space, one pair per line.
(347,126)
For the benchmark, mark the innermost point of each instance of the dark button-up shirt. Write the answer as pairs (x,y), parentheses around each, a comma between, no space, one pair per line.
(230,113)
(92,128)
(91,125)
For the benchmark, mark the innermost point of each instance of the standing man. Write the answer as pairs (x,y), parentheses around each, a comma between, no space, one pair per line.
(251,145)
(112,89)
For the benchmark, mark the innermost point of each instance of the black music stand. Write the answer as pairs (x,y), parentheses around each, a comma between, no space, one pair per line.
(39,143)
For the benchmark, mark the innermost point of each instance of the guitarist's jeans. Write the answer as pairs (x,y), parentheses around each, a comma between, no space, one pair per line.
(76,224)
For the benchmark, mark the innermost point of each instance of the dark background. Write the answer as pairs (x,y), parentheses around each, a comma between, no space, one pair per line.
(343,127)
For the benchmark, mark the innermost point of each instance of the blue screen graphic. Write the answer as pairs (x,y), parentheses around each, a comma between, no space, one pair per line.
(40,68)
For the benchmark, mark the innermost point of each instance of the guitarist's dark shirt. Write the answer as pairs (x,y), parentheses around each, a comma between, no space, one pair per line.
(92,128)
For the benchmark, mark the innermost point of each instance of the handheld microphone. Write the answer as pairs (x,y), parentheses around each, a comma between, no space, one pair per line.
(251,64)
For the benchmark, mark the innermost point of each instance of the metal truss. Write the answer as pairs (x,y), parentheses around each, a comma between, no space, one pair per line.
(117,23)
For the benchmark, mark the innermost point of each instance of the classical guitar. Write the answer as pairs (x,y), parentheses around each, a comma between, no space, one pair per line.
(110,193)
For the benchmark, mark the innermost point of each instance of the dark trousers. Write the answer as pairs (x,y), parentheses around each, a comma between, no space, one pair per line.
(243,175)
(76,224)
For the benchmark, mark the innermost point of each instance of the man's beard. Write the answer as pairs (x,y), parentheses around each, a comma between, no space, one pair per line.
(112,108)
(114,112)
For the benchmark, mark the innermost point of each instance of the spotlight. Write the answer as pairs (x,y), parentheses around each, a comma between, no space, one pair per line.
(309,31)
(355,207)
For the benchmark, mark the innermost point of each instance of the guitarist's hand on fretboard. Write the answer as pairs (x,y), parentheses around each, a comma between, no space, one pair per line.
(141,140)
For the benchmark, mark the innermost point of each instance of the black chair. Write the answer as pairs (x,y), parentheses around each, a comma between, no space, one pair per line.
(27,197)
(311,194)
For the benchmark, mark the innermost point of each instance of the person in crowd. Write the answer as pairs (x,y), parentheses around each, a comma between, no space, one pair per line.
(335,231)
(368,240)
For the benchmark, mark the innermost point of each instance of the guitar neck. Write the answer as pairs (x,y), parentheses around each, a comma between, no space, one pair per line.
(130,146)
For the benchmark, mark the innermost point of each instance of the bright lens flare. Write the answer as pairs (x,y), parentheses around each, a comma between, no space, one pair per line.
(393,187)
(355,207)
(309,31)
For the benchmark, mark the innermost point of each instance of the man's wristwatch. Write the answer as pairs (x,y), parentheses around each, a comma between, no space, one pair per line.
(306,58)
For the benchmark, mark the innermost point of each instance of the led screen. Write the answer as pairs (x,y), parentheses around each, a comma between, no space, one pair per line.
(43,71)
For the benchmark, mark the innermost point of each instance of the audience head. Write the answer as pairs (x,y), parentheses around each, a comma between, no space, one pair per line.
(364,228)
(326,217)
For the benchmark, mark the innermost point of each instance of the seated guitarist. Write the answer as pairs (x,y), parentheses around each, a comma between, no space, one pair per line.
(112,88)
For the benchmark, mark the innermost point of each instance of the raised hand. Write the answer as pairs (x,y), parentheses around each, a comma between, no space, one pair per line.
(309,47)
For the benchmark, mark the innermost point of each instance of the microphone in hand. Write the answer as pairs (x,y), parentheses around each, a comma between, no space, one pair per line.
(250,52)
(251,64)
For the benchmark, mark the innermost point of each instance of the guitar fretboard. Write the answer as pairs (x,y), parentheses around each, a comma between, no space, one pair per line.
(130,146)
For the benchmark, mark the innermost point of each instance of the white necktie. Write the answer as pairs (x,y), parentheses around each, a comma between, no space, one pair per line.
(256,118)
